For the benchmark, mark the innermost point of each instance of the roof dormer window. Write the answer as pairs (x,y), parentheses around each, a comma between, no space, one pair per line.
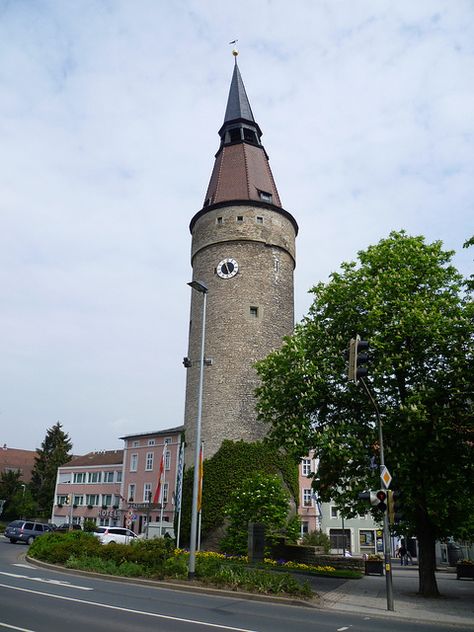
(265,196)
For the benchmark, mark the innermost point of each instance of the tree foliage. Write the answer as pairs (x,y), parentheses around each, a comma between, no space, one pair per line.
(53,453)
(259,498)
(405,297)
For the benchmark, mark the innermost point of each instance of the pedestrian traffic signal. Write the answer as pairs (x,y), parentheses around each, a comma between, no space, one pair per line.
(67,500)
(377,499)
(395,507)
(357,356)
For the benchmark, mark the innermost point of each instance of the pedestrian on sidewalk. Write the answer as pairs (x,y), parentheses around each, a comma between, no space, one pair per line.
(402,552)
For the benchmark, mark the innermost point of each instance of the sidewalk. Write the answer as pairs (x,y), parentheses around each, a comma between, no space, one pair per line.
(368,596)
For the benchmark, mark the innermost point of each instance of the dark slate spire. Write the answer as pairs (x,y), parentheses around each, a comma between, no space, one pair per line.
(238,106)
(239,123)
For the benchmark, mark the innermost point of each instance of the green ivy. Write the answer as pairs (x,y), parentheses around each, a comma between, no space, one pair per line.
(222,474)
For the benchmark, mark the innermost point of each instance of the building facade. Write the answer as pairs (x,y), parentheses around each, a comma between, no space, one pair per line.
(117,487)
(143,455)
(243,251)
(88,488)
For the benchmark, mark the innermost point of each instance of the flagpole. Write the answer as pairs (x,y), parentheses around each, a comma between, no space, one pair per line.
(165,450)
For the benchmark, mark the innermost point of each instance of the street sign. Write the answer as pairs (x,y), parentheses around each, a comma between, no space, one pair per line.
(386,477)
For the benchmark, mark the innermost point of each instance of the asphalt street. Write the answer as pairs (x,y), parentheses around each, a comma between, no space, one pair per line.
(34,599)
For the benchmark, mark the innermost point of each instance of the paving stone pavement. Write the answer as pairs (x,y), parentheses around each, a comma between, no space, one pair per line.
(368,596)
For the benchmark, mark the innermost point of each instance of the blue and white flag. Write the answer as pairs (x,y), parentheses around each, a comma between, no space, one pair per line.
(179,478)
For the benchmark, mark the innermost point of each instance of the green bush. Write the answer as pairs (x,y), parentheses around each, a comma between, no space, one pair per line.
(317,538)
(57,548)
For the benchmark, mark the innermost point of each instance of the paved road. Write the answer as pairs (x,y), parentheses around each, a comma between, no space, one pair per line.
(41,600)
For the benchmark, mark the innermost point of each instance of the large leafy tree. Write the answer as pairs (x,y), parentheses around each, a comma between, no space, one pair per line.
(406,298)
(53,453)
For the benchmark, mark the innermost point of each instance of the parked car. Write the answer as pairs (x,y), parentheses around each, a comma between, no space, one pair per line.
(25,530)
(63,528)
(118,535)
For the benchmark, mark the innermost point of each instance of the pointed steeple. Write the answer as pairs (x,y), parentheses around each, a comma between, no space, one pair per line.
(241,171)
(238,106)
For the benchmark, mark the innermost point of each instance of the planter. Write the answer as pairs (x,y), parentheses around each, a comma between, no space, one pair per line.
(465,570)
(90,506)
(374,567)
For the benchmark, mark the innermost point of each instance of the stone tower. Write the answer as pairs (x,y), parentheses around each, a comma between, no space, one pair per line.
(243,250)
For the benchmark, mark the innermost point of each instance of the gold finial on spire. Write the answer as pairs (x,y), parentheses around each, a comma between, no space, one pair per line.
(235,52)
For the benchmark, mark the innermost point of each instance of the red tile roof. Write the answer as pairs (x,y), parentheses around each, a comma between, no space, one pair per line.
(13,459)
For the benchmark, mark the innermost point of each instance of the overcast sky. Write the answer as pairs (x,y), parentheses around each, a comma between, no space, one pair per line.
(109,112)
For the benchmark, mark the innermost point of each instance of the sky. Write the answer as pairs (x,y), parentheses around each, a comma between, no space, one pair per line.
(109,113)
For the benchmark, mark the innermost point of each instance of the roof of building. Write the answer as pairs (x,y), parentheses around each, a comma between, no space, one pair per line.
(238,105)
(166,431)
(100,457)
(241,172)
(14,459)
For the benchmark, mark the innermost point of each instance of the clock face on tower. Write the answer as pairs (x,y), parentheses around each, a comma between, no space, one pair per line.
(227,268)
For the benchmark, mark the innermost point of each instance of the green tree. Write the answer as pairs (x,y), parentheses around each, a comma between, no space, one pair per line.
(53,453)
(406,298)
(259,498)
(10,484)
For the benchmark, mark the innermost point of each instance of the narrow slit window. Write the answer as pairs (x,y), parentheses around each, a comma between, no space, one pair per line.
(219,220)
(240,219)
(253,311)
(259,219)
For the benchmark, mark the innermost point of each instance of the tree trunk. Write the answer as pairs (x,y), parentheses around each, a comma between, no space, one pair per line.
(427,586)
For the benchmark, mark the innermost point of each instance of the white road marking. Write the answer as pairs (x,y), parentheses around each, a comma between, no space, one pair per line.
(14,627)
(131,610)
(344,628)
(55,582)
(23,565)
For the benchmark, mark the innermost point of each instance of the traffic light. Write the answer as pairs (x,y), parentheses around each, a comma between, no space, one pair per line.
(377,499)
(357,356)
(395,507)
(67,500)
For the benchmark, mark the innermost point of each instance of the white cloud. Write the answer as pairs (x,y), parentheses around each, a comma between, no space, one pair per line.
(109,114)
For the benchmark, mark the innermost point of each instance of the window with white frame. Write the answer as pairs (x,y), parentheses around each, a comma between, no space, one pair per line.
(116,500)
(61,499)
(118,476)
(304,527)
(133,462)
(78,500)
(149,461)
(108,477)
(135,444)
(79,477)
(146,492)
(167,460)
(307,498)
(165,493)
(131,492)
(167,441)
(151,441)
(334,512)
(306,467)
(107,500)
(94,477)
(92,499)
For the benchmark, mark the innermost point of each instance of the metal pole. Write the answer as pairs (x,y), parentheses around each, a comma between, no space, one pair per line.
(163,490)
(197,443)
(343,538)
(148,511)
(386,528)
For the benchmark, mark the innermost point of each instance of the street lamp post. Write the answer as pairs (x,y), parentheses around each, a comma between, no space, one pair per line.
(199,287)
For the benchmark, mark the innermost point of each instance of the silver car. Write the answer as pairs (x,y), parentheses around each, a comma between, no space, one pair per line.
(25,530)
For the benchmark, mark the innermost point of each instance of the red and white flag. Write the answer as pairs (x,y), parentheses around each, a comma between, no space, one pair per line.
(157,496)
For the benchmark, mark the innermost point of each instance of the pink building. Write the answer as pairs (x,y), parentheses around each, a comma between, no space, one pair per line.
(309,509)
(143,454)
(88,488)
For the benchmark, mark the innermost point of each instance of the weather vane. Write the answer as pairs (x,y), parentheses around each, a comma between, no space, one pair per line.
(235,52)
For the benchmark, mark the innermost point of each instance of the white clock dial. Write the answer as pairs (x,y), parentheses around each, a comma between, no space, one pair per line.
(227,268)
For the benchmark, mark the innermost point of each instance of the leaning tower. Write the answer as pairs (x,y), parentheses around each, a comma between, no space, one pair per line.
(243,250)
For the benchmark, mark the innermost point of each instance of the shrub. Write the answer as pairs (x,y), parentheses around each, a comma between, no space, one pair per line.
(58,547)
(317,538)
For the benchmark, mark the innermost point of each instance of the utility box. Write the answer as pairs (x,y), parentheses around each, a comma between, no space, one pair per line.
(256,542)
